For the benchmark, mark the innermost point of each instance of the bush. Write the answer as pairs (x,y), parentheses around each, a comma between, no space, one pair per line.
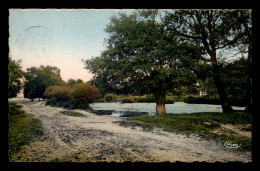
(151,99)
(144,99)
(52,101)
(110,97)
(238,101)
(128,100)
(169,100)
(85,91)
(58,92)
(202,99)
(147,99)
(77,97)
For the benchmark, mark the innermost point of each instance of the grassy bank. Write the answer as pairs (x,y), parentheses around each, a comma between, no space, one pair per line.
(204,123)
(134,99)
(23,128)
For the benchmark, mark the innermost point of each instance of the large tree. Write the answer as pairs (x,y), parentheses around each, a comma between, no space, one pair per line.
(16,75)
(214,31)
(38,79)
(142,54)
(243,40)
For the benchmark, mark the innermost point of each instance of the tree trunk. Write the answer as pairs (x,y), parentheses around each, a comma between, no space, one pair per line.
(211,50)
(160,96)
(221,91)
(249,106)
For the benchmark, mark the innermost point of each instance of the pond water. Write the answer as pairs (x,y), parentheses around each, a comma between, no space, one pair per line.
(133,109)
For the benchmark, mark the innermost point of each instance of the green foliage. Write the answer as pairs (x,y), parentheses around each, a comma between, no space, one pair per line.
(149,99)
(85,92)
(142,56)
(236,79)
(169,100)
(79,96)
(72,82)
(23,128)
(38,79)
(110,97)
(127,100)
(15,74)
(214,30)
(59,92)
(202,99)
(133,99)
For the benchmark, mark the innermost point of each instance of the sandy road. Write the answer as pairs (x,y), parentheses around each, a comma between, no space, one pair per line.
(94,138)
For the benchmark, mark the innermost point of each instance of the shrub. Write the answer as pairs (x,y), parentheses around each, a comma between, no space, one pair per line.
(110,97)
(58,92)
(151,99)
(77,97)
(169,100)
(202,99)
(147,99)
(128,100)
(85,91)
(52,101)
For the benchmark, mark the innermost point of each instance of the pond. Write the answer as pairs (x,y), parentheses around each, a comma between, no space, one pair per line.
(135,109)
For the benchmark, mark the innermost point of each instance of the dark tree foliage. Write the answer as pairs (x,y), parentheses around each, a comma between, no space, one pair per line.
(143,57)
(15,77)
(72,82)
(38,79)
(236,79)
(213,30)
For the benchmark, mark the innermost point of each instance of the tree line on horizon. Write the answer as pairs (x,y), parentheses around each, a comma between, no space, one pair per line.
(180,53)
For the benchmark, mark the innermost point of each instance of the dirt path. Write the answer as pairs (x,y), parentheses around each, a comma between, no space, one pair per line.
(96,138)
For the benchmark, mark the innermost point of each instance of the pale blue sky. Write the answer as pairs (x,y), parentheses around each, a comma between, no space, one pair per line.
(59,37)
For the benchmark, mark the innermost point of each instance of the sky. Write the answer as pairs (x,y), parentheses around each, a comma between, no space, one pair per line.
(59,37)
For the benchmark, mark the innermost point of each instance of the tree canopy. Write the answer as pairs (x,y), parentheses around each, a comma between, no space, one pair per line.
(143,54)
(71,82)
(38,79)
(15,77)
(213,30)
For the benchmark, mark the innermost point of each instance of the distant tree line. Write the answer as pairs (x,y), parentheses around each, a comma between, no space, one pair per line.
(45,82)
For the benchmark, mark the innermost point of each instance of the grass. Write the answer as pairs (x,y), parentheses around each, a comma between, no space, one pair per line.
(204,123)
(135,99)
(72,113)
(23,128)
